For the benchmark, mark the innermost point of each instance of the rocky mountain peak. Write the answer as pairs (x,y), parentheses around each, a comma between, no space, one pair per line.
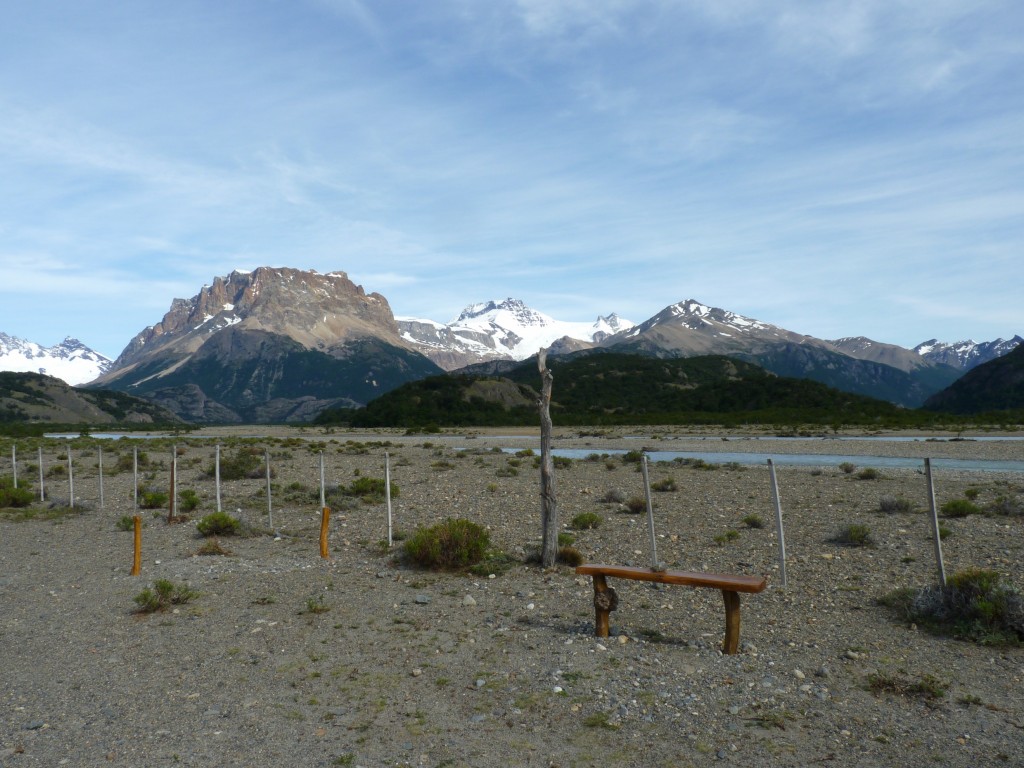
(318,311)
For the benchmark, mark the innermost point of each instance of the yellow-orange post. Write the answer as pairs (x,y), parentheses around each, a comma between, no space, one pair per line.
(137,562)
(325,520)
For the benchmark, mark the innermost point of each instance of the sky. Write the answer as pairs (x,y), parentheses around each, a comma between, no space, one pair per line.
(836,168)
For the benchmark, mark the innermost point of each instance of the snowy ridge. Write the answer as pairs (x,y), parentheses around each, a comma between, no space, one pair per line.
(507,330)
(966,354)
(71,360)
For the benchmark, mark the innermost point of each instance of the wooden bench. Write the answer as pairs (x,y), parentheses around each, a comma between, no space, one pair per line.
(606,600)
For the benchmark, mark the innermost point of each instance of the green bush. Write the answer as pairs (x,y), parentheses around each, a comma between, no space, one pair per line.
(959,508)
(586,520)
(246,462)
(162,596)
(450,545)
(868,473)
(14,497)
(753,521)
(125,523)
(188,500)
(847,467)
(153,500)
(218,524)
(668,484)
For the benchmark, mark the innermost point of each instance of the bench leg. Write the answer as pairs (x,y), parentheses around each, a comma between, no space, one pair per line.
(605,601)
(732,622)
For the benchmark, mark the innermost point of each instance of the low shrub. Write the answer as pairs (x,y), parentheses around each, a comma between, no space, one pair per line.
(188,500)
(925,687)
(753,521)
(213,547)
(162,596)
(635,505)
(569,556)
(218,524)
(125,523)
(959,508)
(613,496)
(451,545)
(855,535)
(974,605)
(847,467)
(729,535)
(153,500)
(586,521)
(868,473)
(662,486)
(893,505)
(11,497)
(1004,506)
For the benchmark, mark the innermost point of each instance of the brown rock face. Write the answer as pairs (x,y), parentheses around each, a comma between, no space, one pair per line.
(318,311)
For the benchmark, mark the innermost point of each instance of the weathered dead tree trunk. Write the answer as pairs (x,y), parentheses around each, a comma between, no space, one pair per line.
(548,503)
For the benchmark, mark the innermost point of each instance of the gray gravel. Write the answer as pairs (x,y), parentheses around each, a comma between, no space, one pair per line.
(413,668)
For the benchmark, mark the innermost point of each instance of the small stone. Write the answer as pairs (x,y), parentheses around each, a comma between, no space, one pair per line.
(477,718)
(480,682)
(468,601)
(852,655)
(558,689)
(530,606)
(799,675)
(601,647)
(734,710)
(35,725)
(823,671)
(417,672)
(422,599)
(623,639)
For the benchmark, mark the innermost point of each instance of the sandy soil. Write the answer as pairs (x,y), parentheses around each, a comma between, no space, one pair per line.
(285,658)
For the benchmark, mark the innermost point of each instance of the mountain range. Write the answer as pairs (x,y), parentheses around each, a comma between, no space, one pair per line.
(280,344)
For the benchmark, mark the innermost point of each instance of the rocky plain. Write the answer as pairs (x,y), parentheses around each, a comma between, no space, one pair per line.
(285,658)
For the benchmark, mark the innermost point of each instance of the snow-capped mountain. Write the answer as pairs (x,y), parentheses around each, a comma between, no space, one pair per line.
(71,360)
(506,330)
(966,355)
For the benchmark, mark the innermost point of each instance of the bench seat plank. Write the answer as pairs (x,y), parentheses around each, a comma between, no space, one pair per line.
(605,599)
(687,578)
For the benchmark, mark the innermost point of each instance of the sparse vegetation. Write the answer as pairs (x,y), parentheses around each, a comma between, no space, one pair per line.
(162,595)
(894,505)
(586,521)
(847,467)
(868,473)
(213,547)
(854,535)
(153,499)
(729,535)
(451,545)
(662,486)
(635,505)
(753,521)
(959,508)
(925,687)
(569,556)
(974,605)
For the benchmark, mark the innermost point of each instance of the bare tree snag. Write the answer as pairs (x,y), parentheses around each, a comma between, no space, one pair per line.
(548,503)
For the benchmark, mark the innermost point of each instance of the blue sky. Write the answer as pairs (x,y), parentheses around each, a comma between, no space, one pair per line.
(835,168)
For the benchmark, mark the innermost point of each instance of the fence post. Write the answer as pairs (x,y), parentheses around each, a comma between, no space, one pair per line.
(650,511)
(42,483)
(778,523)
(71,478)
(14,464)
(137,559)
(935,523)
(216,473)
(270,506)
(387,495)
(101,476)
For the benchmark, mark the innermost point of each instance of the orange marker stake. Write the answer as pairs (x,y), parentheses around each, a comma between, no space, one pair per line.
(325,519)
(137,563)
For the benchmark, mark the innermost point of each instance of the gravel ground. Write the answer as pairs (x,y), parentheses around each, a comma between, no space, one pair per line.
(287,659)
